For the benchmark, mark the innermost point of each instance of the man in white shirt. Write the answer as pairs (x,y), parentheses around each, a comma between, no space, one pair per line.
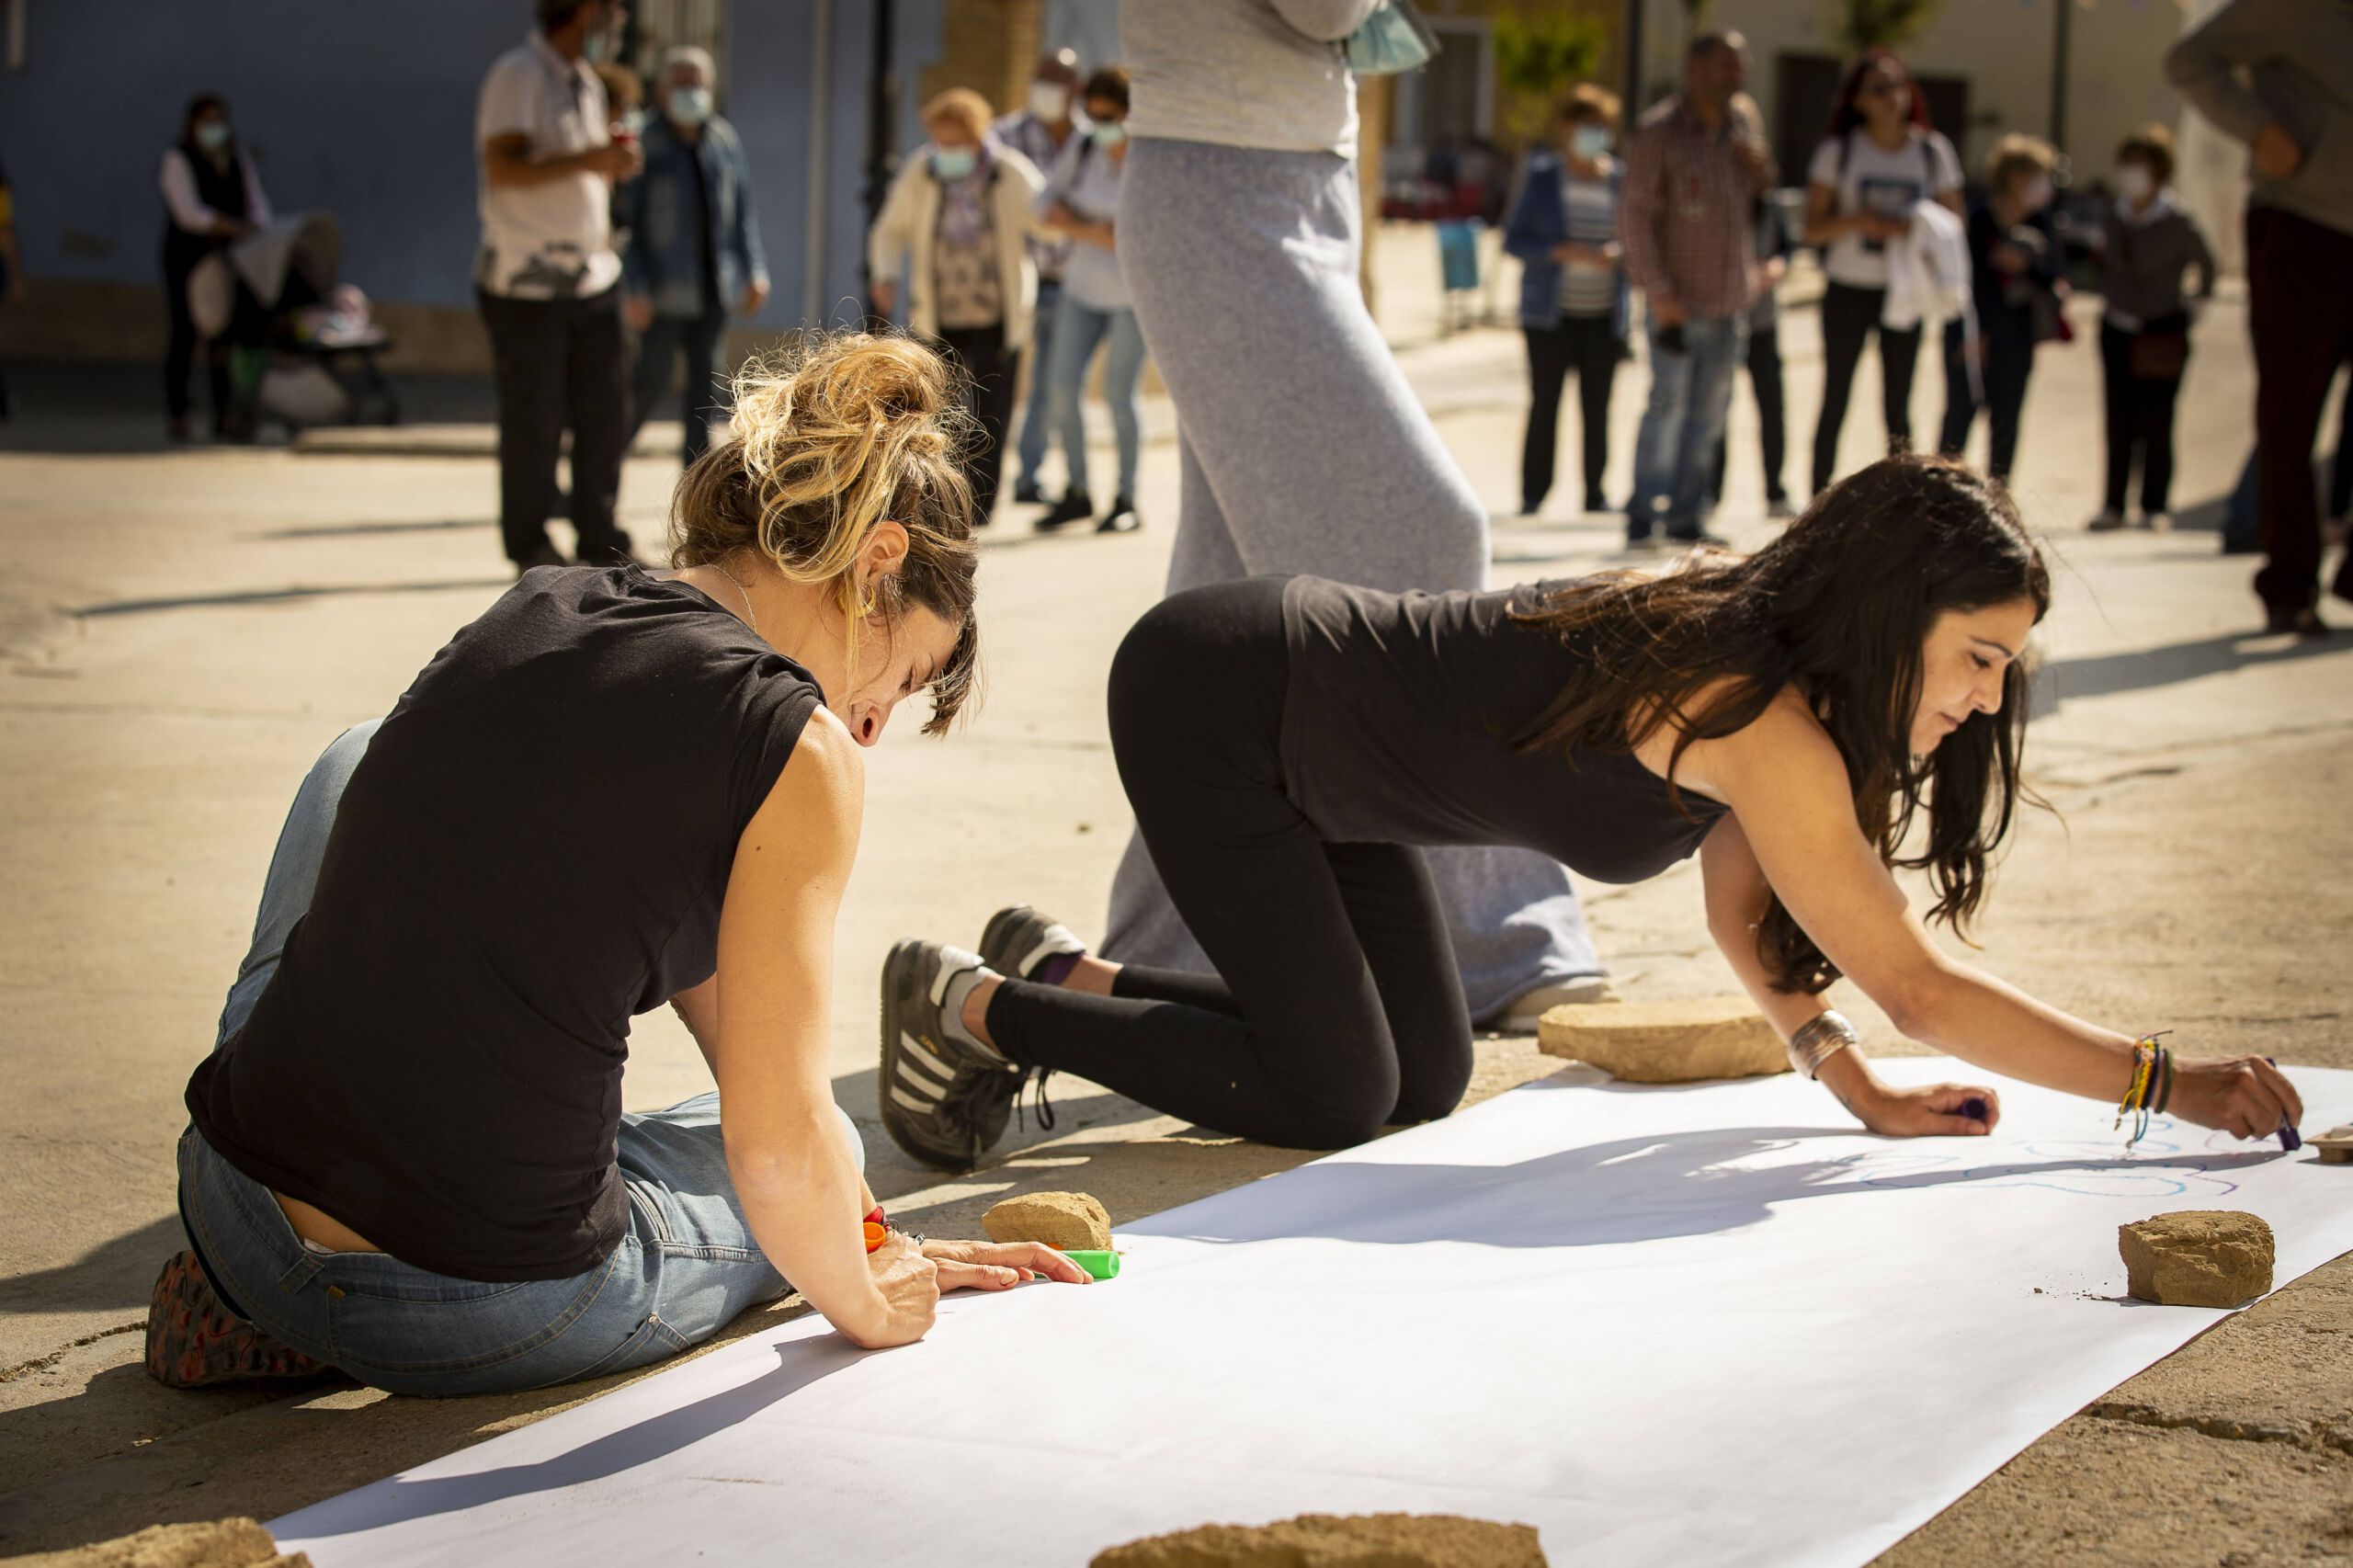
(548,278)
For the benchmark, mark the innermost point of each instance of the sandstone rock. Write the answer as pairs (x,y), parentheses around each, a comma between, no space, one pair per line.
(1071,1221)
(2197,1257)
(1330,1540)
(215,1543)
(1666,1042)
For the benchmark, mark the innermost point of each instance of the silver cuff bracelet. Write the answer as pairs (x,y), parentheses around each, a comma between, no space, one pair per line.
(1818,1039)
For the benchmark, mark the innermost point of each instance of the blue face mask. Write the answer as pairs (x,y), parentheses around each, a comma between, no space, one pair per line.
(213,135)
(1109,133)
(1590,141)
(955,163)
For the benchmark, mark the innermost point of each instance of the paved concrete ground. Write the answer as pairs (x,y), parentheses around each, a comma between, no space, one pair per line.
(183,629)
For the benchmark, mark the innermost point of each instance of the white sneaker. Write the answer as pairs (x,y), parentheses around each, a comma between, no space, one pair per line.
(2157,522)
(2107,522)
(1520,1014)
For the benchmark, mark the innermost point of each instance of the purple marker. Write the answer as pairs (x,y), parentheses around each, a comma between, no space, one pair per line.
(1973,1108)
(2290,1139)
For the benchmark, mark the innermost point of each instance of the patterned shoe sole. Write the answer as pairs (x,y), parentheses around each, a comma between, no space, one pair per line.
(913,1062)
(194,1342)
(1016,941)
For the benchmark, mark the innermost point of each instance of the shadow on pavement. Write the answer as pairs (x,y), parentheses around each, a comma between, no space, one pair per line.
(117,1273)
(2106,674)
(273,596)
(347,530)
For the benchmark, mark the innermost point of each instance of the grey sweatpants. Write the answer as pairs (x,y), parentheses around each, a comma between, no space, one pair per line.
(1302,449)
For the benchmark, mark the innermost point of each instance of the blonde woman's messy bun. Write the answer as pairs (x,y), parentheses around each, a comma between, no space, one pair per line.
(845,431)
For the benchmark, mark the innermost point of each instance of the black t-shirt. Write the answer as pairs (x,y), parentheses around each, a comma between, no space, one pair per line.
(534,848)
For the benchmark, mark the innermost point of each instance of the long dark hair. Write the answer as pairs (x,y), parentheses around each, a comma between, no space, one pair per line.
(1836,607)
(200,103)
(1846,115)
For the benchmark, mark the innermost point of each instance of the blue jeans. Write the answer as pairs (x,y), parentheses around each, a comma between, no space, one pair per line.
(1078,331)
(1674,453)
(1037,418)
(686,1266)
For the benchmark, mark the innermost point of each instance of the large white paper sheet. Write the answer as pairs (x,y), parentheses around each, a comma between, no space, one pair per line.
(1708,1324)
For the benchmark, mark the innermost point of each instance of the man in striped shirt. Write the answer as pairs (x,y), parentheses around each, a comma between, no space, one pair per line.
(1693,168)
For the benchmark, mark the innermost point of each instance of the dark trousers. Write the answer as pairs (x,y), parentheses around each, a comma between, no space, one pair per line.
(2005,363)
(1590,346)
(659,348)
(179,353)
(559,364)
(2302,311)
(1849,316)
(991,367)
(1772,437)
(1336,1007)
(2140,423)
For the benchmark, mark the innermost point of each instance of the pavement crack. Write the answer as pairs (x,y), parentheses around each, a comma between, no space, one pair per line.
(42,1363)
(2301,1434)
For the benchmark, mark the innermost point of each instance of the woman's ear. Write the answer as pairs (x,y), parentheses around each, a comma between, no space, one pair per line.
(886,548)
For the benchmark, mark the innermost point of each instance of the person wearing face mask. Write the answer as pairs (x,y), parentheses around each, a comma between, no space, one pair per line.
(1574,305)
(694,246)
(1081,202)
(2018,285)
(2147,244)
(960,210)
(1880,159)
(548,278)
(1043,129)
(212,196)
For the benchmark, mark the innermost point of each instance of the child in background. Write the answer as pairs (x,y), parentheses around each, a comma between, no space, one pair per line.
(2016,284)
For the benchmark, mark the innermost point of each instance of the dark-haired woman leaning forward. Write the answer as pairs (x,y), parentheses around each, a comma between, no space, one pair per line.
(408,1157)
(1288,742)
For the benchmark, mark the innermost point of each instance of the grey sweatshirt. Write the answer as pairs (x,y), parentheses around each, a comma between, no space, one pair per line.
(2297,56)
(2143,259)
(1264,74)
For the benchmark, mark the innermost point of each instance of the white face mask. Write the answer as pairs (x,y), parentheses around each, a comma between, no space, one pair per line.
(2134,183)
(690,107)
(1049,100)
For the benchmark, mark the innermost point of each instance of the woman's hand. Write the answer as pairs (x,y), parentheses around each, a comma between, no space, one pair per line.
(1932,1112)
(909,1285)
(2245,1095)
(999,1266)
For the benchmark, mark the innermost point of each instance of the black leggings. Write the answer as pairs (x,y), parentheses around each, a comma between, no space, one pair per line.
(1849,316)
(1590,346)
(1337,1008)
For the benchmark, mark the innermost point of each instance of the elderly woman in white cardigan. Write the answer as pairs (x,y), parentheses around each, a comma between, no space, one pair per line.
(963,207)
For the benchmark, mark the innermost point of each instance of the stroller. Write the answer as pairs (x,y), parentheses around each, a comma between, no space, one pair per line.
(303,348)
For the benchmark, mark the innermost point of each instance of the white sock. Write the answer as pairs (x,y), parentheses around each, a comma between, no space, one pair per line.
(965,971)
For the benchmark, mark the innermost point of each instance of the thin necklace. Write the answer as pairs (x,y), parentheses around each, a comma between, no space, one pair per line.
(750,614)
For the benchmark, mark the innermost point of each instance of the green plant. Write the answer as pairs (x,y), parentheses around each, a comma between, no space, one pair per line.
(1537,58)
(1882,23)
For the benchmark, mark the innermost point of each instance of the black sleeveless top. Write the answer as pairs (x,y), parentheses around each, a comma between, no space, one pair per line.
(1394,727)
(534,848)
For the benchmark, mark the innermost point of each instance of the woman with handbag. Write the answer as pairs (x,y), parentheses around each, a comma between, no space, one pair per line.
(2019,288)
(2147,244)
(1302,448)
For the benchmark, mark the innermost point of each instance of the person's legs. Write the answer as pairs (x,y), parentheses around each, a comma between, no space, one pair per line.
(526,348)
(597,406)
(1593,352)
(1548,369)
(1123,357)
(1898,355)
(1077,331)
(702,396)
(1764,384)
(1961,393)
(2341,467)
(2156,411)
(1847,316)
(1659,439)
(2009,363)
(1037,415)
(179,348)
(2297,305)
(992,368)
(1716,347)
(657,361)
(2119,399)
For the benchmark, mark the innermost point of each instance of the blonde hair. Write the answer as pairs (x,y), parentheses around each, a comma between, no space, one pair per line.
(845,432)
(964,107)
(1587,101)
(2017,154)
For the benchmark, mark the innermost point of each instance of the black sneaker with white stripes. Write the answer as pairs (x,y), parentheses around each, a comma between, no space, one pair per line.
(1016,941)
(943,1100)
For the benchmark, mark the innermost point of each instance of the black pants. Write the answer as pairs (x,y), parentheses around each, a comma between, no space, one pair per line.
(659,348)
(993,368)
(559,364)
(1772,431)
(2140,423)
(179,350)
(2340,471)
(1336,1007)
(2301,312)
(2006,362)
(1849,316)
(1590,346)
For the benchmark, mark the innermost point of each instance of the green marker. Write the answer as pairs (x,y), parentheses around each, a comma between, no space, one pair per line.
(1101,1265)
